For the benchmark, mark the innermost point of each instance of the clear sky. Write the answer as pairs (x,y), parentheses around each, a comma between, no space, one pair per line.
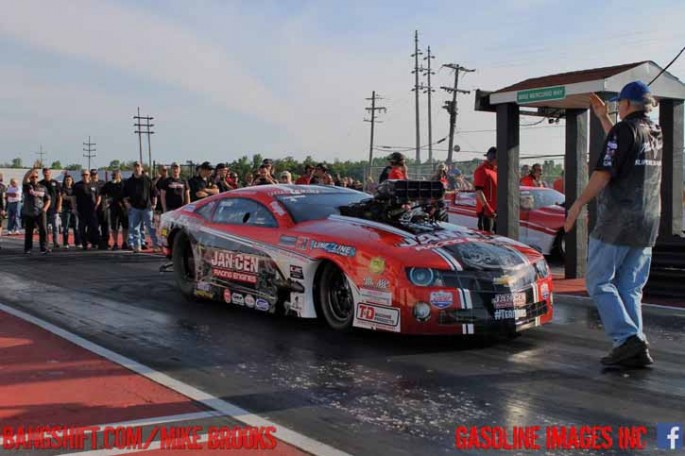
(227,78)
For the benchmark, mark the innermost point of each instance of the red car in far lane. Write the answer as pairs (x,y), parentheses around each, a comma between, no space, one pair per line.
(542,216)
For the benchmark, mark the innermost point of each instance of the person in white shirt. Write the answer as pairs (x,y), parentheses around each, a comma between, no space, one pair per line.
(13,193)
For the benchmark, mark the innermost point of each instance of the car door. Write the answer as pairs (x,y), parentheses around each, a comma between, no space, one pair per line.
(235,258)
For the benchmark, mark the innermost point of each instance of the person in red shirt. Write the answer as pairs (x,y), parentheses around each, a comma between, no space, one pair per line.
(306,177)
(399,168)
(559,183)
(485,182)
(441,175)
(534,178)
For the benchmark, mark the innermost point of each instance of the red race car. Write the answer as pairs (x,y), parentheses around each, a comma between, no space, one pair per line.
(383,263)
(542,215)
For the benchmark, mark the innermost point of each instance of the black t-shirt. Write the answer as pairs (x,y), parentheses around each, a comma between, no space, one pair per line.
(175,189)
(86,196)
(67,193)
(2,196)
(629,207)
(36,196)
(384,174)
(196,184)
(140,191)
(53,189)
(115,191)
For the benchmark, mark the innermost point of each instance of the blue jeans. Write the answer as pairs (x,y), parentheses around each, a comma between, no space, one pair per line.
(13,223)
(136,218)
(615,277)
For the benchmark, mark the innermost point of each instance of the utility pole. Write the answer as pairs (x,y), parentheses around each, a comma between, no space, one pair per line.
(89,149)
(428,89)
(416,91)
(41,153)
(143,126)
(373,121)
(451,106)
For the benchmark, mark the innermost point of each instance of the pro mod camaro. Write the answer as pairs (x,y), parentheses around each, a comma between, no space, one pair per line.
(384,263)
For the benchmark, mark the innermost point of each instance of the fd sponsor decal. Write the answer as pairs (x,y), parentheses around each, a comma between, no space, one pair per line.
(302,243)
(227,295)
(238,299)
(249,301)
(508,314)
(336,249)
(509,300)
(262,304)
(377,265)
(441,299)
(544,291)
(381,284)
(381,298)
(296,272)
(376,317)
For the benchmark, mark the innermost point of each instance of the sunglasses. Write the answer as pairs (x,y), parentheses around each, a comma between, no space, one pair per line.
(33,177)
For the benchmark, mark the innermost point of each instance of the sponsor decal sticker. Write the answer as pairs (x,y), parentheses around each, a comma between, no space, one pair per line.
(234,261)
(377,265)
(249,301)
(296,272)
(287,240)
(297,302)
(238,299)
(381,284)
(204,294)
(381,298)
(302,243)
(227,295)
(204,286)
(277,208)
(434,240)
(544,291)
(262,304)
(336,249)
(508,314)
(376,317)
(441,299)
(509,300)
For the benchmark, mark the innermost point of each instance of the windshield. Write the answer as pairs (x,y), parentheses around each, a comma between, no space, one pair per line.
(549,197)
(316,206)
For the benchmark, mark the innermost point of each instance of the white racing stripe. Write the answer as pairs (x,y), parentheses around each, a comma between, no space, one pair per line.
(223,407)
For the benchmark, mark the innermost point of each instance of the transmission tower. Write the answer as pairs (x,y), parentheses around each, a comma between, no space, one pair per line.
(89,149)
(41,153)
(143,127)
(416,89)
(451,106)
(372,110)
(428,89)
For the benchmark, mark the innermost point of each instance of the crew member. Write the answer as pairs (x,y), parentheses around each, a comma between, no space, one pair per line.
(485,183)
(86,199)
(118,215)
(36,205)
(534,177)
(398,167)
(101,211)
(175,192)
(51,215)
(200,185)
(140,197)
(307,176)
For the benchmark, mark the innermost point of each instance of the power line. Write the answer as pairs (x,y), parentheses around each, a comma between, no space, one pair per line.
(41,153)
(89,149)
(667,66)
(451,106)
(429,90)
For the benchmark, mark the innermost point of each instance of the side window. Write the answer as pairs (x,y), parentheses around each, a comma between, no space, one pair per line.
(206,210)
(240,211)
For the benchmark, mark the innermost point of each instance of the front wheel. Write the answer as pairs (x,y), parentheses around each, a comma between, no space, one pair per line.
(335,296)
(560,245)
(184,264)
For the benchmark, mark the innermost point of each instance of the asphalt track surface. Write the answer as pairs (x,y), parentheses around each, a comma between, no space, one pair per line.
(362,392)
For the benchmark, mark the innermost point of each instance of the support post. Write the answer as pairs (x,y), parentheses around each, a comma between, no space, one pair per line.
(671,121)
(507,170)
(597,136)
(576,177)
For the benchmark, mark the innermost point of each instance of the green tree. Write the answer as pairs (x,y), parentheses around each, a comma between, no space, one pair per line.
(73,167)
(114,164)
(16,163)
(56,165)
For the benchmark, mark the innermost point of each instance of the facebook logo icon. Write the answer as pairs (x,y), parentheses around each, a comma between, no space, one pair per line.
(669,436)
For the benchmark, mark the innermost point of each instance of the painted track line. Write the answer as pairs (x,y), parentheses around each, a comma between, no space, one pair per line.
(223,407)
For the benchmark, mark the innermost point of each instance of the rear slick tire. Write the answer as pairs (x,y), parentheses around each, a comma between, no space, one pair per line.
(184,264)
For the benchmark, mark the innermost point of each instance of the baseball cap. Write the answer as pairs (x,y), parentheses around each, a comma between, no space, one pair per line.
(633,91)
(267,161)
(491,153)
(175,165)
(322,167)
(206,165)
(221,166)
(136,163)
